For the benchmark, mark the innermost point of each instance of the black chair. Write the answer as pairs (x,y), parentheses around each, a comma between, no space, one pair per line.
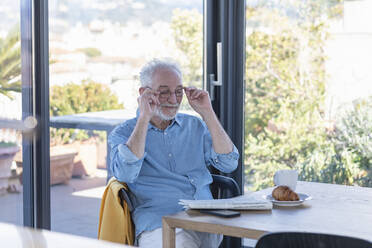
(309,240)
(224,187)
(221,188)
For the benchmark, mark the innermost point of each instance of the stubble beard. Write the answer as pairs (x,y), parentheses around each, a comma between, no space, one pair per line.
(163,116)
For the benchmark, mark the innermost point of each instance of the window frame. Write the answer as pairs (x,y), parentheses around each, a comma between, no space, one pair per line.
(35,102)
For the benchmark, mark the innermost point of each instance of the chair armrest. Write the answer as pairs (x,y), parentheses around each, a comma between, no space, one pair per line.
(224,187)
(124,197)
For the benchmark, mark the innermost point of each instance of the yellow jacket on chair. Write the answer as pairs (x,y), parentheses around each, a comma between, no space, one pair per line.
(115,223)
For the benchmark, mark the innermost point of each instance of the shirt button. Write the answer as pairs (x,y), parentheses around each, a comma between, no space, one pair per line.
(216,160)
(170,155)
(192,180)
(165,133)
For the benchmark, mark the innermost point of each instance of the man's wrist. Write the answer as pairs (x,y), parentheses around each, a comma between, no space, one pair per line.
(208,115)
(144,118)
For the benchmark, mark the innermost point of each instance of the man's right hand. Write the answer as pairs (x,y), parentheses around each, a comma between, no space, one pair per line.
(148,103)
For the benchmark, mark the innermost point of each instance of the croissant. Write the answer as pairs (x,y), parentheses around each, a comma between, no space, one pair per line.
(284,193)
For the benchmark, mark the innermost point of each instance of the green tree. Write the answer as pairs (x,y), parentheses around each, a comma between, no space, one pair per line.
(187,27)
(285,92)
(10,63)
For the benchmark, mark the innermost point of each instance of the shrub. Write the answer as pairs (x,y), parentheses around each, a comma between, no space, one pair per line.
(285,91)
(79,98)
(341,156)
(10,63)
(353,135)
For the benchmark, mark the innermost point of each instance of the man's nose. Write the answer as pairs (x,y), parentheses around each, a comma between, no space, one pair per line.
(172,98)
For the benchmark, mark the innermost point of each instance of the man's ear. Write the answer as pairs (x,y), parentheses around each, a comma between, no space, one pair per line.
(141,90)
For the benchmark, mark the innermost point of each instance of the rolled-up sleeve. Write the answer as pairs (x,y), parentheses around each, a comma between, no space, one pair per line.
(124,164)
(225,163)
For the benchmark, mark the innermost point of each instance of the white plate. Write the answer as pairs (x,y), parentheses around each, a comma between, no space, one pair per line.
(303,198)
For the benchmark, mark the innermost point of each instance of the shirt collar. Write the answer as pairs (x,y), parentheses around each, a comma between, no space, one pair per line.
(176,119)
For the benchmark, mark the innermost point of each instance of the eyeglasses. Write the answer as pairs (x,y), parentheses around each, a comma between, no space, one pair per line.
(166,93)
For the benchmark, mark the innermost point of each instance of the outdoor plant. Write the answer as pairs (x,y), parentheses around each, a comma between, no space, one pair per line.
(89,96)
(10,84)
(285,85)
(187,26)
(285,90)
(347,156)
(10,70)
(187,29)
(353,135)
(354,131)
(10,63)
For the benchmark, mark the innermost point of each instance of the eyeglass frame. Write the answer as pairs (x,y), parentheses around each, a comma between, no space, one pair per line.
(169,92)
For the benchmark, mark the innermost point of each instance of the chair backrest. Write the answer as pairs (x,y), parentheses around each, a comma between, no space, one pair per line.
(224,187)
(309,240)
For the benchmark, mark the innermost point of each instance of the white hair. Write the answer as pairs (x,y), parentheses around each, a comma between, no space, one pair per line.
(147,71)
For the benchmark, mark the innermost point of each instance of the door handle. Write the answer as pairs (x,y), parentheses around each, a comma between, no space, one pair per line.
(212,82)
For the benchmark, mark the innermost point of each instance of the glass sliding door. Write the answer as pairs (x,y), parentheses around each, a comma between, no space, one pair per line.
(308,91)
(96,52)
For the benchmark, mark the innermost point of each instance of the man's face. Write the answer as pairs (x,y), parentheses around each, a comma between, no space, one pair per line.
(169,85)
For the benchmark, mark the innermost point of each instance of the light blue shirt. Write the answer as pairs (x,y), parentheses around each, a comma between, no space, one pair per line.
(173,167)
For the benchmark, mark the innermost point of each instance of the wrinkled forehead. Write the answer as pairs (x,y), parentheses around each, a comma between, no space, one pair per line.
(166,78)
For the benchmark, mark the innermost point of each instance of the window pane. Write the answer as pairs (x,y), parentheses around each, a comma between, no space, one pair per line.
(11,208)
(308,91)
(96,52)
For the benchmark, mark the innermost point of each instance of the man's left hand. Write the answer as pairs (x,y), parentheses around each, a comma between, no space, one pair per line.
(199,100)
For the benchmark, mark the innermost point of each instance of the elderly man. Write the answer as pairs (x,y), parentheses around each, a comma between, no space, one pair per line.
(163,156)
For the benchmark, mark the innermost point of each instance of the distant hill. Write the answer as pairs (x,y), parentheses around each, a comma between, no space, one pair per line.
(84,11)
(146,11)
